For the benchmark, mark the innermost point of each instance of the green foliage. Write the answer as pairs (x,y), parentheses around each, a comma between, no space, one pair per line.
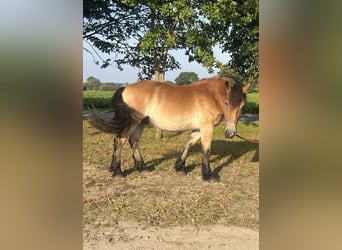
(235,26)
(111,26)
(95,84)
(110,86)
(92,84)
(99,103)
(99,99)
(253,97)
(250,108)
(252,104)
(97,94)
(157,27)
(185,78)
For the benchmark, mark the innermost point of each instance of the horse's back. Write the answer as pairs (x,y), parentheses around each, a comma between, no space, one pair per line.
(142,94)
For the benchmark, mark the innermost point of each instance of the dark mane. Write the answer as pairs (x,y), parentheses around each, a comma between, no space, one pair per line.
(236,94)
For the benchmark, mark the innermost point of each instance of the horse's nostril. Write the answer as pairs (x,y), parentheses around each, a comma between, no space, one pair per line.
(229,134)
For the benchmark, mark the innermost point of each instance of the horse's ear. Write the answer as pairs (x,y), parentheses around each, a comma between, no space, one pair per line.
(245,88)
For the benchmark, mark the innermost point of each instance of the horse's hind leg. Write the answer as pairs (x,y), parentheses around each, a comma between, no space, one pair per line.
(115,166)
(180,163)
(134,143)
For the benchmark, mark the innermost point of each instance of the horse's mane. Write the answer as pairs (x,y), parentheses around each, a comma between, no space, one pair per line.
(235,94)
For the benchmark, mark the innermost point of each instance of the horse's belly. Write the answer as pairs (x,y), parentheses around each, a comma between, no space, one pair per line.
(172,125)
(172,117)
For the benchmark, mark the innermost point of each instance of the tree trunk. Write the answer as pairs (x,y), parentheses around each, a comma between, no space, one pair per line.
(160,76)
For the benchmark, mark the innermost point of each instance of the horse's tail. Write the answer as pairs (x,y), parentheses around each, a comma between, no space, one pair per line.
(124,116)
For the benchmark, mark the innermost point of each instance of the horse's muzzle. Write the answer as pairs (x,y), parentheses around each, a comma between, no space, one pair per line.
(229,135)
(230,130)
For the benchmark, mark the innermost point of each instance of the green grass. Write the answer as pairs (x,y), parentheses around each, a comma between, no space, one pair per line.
(253,97)
(99,99)
(252,104)
(97,94)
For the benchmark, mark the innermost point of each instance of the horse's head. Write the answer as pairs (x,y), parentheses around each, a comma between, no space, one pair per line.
(236,97)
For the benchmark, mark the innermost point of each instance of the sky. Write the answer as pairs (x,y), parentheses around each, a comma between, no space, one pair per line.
(129,74)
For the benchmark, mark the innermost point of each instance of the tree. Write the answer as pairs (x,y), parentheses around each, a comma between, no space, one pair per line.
(92,83)
(237,34)
(142,33)
(186,78)
(108,25)
(108,86)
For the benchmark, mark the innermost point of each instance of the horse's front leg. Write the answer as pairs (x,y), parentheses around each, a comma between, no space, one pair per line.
(206,137)
(180,163)
(115,166)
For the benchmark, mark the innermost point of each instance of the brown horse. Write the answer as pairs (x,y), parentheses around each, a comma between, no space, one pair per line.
(199,106)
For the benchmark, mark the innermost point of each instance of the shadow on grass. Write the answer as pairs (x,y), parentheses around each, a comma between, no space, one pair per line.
(223,153)
(134,169)
(234,150)
(229,150)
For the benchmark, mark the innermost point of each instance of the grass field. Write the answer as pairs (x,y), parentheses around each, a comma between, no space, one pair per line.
(253,97)
(97,94)
(163,197)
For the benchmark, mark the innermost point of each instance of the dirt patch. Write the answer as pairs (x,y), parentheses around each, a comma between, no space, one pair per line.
(132,235)
(163,210)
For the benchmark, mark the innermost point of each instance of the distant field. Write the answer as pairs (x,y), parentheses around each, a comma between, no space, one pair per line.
(98,99)
(97,94)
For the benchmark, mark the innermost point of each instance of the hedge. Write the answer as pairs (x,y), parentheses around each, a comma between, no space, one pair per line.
(250,108)
(98,102)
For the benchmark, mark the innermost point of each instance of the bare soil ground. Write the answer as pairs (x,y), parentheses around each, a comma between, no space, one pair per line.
(133,235)
(161,209)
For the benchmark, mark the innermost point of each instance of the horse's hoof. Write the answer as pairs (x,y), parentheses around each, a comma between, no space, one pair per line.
(180,166)
(207,176)
(210,178)
(181,171)
(117,173)
(140,166)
